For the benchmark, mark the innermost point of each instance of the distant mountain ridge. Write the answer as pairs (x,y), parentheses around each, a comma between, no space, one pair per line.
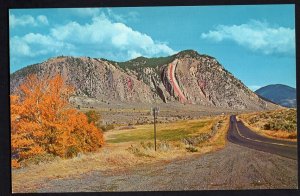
(280,94)
(186,77)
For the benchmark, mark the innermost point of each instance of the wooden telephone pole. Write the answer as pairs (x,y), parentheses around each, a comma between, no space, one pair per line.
(155,111)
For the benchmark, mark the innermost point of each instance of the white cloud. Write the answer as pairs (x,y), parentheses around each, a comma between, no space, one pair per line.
(32,45)
(27,20)
(103,34)
(114,16)
(43,19)
(85,12)
(117,17)
(134,54)
(21,21)
(19,48)
(101,37)
(257,36)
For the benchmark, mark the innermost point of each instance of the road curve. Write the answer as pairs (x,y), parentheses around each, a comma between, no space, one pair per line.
(240,134)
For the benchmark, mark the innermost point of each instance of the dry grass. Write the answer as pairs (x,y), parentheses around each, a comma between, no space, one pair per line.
(277,124)
(121,154)
(219,140)
(111,157)
(173,131)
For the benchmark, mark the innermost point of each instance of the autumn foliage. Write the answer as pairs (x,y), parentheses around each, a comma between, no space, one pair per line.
(42,121)
(93,116)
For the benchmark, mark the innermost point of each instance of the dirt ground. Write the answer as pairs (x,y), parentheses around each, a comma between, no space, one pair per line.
(139,113)
(233,167)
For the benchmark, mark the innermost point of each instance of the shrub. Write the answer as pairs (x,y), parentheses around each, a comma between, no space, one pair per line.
(146,148)
(163,146)
(37,159)
(191,149)
(42,121)
(71,152)
(137,151)
(15,163)
(107,127)
(253,120)
(267,126)
(93,116)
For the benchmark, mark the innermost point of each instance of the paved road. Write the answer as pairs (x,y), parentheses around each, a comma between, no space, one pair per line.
(242,135)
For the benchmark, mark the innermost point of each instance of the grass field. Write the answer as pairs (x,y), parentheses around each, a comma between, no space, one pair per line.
(169,131)
(280,124)
(127,148)
(170,138)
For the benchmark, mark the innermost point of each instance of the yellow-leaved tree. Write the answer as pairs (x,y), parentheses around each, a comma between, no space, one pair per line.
(42,121)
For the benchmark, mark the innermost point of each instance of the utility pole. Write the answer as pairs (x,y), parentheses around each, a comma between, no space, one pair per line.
(155,111)
(154,130)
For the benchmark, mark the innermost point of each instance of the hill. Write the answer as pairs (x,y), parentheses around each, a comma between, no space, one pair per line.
(186,77)
(280,94)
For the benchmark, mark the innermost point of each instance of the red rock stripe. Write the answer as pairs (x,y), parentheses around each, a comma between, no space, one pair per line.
(175,85)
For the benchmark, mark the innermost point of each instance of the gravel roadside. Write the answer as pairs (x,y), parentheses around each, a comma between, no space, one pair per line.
(234,167)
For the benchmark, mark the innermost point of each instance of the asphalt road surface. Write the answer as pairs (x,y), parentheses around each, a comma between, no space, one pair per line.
(242,135)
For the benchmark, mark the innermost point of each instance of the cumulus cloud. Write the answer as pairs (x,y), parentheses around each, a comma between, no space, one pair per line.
(257,36)
(99,38)
(110,13)
(117,17)
(21,21)
(35,44)
(27,20)
(43,19)
(114,16)
(85,12)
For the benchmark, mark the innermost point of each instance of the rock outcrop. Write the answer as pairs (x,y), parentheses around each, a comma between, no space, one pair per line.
(186,77)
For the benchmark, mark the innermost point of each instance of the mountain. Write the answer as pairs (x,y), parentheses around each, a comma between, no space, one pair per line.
(186,77)
(280,94)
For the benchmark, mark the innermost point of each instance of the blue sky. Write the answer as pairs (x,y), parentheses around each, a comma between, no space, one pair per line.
(254,42)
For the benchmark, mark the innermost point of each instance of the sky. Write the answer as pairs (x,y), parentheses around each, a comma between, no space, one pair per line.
(256,43)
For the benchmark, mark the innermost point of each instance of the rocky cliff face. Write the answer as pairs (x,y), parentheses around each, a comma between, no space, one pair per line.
(186,77)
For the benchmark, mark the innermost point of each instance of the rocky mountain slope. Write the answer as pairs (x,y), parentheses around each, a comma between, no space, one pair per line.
(278,93)
(186,77)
